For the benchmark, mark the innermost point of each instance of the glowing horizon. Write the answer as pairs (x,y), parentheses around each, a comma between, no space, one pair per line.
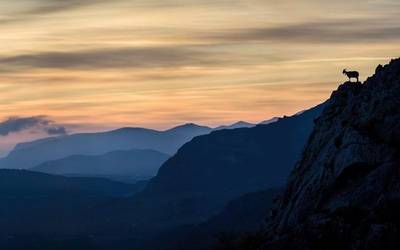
(96,65)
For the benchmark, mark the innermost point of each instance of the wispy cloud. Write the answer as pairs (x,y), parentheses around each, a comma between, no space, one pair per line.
(142,57)
(38,8)
(18,124)
(320,31)
(56,130)
(51,6)
(160,62)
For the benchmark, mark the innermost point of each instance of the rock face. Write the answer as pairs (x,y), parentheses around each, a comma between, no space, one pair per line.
(344,193)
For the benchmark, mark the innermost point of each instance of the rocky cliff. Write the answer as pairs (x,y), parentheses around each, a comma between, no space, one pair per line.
(344,193)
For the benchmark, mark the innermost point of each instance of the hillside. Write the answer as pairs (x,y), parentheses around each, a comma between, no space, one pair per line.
(40,204)
(234,162)
(240,216)
(211,170)
(344,192)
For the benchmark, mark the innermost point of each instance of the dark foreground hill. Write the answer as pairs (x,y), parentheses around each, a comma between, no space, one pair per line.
(242,216)
(133,164)
(40,204)
(344,192)
(226,164)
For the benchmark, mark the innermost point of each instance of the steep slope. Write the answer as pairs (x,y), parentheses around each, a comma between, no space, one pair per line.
(212,169)
(344,192)
(240,216)
(31,154)
(139,164)
(233,162)
(40,204)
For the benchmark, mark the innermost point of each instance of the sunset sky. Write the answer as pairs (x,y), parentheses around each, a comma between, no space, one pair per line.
(91,65)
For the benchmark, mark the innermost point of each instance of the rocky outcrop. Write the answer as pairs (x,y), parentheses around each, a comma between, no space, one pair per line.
(344,193)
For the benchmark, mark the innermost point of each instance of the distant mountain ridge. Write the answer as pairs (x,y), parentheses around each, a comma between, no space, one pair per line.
(274,144)
(139,164)
(234,162)
(239,124)
(210,170)
(244,124)
(269,121)
(31,154)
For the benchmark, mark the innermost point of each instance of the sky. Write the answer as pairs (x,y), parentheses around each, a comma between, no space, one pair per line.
(68,66)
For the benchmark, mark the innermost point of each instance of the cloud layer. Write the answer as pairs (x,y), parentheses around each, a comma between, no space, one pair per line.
(155,57)
(19,124)
(319,32)
(158,63)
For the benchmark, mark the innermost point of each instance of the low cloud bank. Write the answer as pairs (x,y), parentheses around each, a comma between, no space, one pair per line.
(18,124)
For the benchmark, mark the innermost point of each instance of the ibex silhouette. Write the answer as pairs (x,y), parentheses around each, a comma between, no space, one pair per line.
(351,74)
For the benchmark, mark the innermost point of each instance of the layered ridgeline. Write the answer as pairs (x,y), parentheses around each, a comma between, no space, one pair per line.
(31,154)
(244,124)
(240,124)
(228,163)
(213,169)
(40,204)
(135,164)
(345,191)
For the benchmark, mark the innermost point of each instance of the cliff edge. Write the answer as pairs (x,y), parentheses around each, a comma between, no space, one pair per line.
(344,193)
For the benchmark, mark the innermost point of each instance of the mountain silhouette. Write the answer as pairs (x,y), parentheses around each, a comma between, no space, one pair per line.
(344,191)
(209,171)
(122,164)
(40,204)
(31,154)
(244,214)
(233,162)
(274,119)
(239,124)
